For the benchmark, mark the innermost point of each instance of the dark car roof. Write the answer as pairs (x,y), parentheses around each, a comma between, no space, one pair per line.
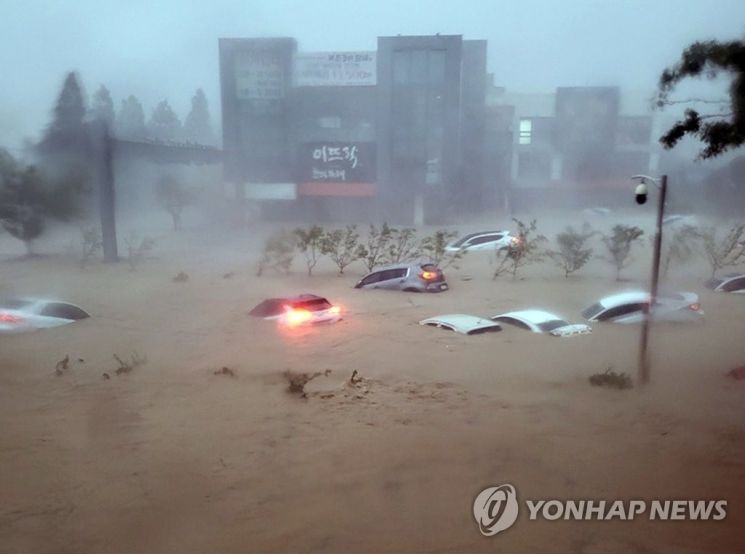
(275,306)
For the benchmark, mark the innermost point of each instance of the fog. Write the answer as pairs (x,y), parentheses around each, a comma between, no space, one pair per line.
(168,51)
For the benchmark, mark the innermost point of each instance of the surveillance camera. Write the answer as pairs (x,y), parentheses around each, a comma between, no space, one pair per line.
(641,193)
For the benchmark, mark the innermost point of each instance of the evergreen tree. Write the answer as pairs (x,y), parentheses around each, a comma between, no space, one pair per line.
(164,124)
(67,134)
(103,107)
(197,125)
(130,122)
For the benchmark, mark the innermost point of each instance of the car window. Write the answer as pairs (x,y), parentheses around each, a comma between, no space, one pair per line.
(390,274)
(592,311)
(734,284)
(428,267)
(65,311)
(481,330)
(622,310)
(484,239)
(373,278)
(513,321)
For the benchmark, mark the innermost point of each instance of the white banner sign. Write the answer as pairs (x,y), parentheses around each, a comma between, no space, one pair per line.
(335,69)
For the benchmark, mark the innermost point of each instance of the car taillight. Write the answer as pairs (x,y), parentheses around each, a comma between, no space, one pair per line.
(5,317)
(428,275)
(695,307)
(297,317)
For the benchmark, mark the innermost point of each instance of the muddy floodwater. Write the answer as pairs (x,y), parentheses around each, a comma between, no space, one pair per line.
(178,455)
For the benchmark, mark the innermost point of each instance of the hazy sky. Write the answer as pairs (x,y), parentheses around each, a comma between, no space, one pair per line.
(168,48)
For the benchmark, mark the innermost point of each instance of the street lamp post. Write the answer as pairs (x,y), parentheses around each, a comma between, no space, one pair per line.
(641,198)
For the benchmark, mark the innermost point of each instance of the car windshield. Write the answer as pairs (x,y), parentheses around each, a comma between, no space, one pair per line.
(548,326)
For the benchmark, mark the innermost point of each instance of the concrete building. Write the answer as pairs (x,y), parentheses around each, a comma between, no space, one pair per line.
(415,132)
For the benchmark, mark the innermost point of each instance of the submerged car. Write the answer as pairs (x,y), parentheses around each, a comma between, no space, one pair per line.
(406,277)
(539,321)
(734,282)
(628,307)
(485,240)
(462,323)
(29,314)
(305,309)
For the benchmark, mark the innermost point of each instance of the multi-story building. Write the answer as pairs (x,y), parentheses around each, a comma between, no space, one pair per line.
(415,132)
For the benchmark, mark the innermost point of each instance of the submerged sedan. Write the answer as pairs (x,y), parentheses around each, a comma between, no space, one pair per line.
(305,309)
(628,307)
(539,321)
(28,314)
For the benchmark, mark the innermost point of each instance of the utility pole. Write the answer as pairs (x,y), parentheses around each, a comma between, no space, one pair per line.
(104,156)
(644,367)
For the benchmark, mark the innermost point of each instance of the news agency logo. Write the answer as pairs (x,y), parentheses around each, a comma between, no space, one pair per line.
(495,509)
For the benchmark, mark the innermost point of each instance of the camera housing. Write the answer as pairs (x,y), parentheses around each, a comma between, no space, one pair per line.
(641,193)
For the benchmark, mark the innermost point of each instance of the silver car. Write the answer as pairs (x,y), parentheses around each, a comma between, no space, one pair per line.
(406,277)
(485,240)
(628,307)
(28,314)
(734,282)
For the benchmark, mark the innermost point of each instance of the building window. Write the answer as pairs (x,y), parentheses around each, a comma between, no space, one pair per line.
(526,131)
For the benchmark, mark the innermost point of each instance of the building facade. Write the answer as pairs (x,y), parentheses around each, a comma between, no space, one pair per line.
(415,132)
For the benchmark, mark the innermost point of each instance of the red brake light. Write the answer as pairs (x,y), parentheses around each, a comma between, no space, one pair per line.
(5,317)
(428,275)
(695,307)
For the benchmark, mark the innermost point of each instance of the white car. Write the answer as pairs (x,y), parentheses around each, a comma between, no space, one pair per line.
(628,307)
(462,323)
(734,282)
(539,321)
(305,309)
(486,240)
(28,314)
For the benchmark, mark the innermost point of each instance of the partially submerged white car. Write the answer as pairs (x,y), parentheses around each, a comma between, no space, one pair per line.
(628,307)
(19,315)
(539,321)
(734,282)
(462,323)
(485,240)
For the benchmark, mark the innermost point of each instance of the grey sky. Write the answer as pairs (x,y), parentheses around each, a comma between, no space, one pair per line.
(168,48)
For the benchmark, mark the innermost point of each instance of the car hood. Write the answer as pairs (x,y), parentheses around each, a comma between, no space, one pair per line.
(462,323)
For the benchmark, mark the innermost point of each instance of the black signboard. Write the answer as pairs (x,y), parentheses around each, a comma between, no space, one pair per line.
(337,162)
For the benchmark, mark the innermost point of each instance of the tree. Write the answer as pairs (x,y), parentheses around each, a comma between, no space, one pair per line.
(197,124)
(572,254)
(342,246)
(402,246)
(278,253)
(130,122)
(678,246)
(309,243)
(434,247)
(726,251)
(164,124)
(22,201)
(375,248)
(719,131)
(102,106)
(173,196)
(28,198)
(619,244)
(524,250)
(67,135)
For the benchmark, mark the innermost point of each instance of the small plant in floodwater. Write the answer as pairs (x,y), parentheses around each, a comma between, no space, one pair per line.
(611,379)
